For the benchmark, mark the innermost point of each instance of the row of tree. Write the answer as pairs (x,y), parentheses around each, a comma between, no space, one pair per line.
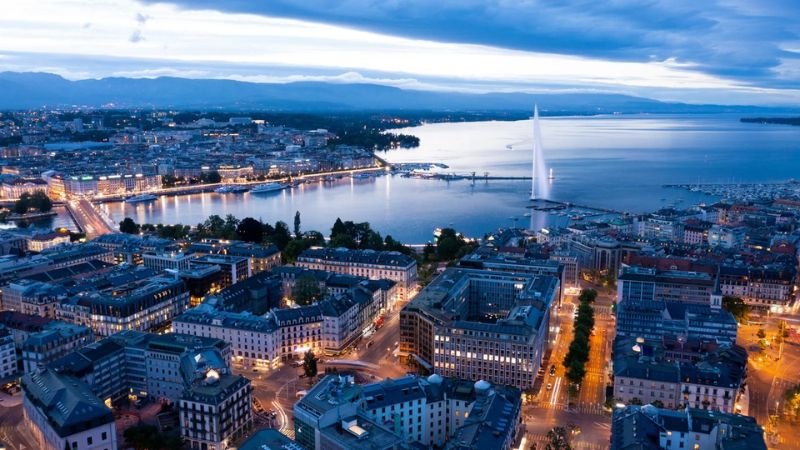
(38,201)
(578,353)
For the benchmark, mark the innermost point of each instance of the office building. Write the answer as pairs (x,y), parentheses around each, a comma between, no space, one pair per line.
(479,324)
(371,264)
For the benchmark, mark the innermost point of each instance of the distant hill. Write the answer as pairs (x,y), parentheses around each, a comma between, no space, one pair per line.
(34,90)
(774,120)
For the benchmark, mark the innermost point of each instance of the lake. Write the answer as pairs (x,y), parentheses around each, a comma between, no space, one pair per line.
(616,162)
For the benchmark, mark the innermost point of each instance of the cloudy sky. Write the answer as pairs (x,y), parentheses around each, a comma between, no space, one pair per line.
(707,51)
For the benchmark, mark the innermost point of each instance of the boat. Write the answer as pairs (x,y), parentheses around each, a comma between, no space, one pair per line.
(527,214)
(268,187)
(141,198)
(361,176)
(231,189)
(551,176)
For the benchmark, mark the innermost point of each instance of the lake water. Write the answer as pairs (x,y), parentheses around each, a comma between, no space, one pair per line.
(617,162)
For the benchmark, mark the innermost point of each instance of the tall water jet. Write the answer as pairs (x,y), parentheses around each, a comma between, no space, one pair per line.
(540,187)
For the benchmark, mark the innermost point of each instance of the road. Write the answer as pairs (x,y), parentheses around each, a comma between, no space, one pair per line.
(12,432)
(769,376)
(88,218)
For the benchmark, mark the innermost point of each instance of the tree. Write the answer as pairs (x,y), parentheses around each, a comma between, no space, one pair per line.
(448,244)
(737,307)
(129,226)
(250,230)
(281,236)
(657,403)
(22,205)
(214,226)
(310,364)
(294,248)
(41,201)
(306,290)
(558,439)
(210,177)
(297,224)
(229,229)
(636,401)
(338,228)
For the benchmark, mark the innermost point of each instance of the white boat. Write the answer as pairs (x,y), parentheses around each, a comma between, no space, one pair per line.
(141,198)
(230,189)
(268,187)
(361,176)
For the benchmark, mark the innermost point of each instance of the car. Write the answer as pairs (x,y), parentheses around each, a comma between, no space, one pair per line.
(549,386)
(553,370)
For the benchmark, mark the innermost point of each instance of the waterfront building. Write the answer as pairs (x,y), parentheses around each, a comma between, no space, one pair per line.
(479,324)
(371,264)
(14,188)
(42,242)
(62,413)
(650,428)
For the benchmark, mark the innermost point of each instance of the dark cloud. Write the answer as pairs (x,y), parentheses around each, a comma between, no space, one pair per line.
(741,39)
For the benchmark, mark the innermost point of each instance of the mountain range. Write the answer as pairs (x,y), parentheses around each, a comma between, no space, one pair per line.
(25,90)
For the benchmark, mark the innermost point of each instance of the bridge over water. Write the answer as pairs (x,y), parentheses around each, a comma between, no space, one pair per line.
(89,219)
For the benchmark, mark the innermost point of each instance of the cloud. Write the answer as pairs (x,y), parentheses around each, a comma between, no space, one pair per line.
(225,45)
(142,18)
(136,36)
(742,39)
(86,25)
